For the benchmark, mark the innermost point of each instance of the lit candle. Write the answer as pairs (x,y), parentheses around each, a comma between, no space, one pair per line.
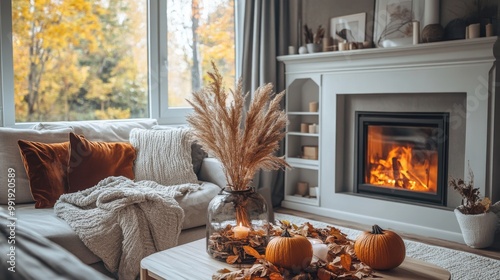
(240,231)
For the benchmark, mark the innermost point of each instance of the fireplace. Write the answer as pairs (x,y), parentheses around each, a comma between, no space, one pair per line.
(458,77)
(402,156)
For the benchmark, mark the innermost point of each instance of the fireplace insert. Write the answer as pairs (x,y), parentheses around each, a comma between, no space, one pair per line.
(402,156)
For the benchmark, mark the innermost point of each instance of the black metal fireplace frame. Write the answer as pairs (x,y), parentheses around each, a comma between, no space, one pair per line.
(438,120)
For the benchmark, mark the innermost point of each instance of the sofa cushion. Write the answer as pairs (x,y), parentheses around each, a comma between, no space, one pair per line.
(107,131)
(39,258)
(195,205)
(92,161)
(197,152)
(11,164)
(47,224)
(163,156)
(47,167)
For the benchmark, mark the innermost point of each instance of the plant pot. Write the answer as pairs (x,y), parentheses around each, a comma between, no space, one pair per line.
(478,230)
(237,219)
(313,48)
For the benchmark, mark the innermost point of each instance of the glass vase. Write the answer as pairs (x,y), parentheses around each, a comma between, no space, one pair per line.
(237,219)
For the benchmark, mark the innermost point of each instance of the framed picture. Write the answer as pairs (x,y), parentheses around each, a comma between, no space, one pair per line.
(393,21)
(350,28)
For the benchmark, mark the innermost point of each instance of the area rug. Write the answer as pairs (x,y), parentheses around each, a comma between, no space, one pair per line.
(461,265)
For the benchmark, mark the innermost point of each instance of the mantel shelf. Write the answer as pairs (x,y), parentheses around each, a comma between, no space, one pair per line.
(439,54)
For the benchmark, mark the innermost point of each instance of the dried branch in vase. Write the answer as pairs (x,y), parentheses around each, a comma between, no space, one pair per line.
(243,149)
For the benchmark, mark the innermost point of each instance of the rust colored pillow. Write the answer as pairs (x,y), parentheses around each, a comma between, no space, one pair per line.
(90,162)
(46,166)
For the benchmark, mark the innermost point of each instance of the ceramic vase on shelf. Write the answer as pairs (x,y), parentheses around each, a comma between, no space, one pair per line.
(313,48)
(237,218)
(478,230)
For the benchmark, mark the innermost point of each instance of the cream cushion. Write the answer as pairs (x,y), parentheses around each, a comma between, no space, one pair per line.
(163,156)
(10,157)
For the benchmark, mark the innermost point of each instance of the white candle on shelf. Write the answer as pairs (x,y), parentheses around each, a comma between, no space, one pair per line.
(431,12)
(240,231)
(416,32)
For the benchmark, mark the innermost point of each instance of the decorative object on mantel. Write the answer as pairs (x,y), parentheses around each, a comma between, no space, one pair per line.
(238,216)
(432,33)
(313,40)
(473,31)
(349,29)
(416,32)
(478,221)
(393,21)
(334,257)
(455,29)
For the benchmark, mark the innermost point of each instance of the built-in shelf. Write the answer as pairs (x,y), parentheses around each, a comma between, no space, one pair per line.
(303,92)
(300,162)
(303,113)
(303,134)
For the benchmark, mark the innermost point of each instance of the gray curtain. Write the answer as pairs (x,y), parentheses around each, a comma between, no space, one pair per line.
(266,36)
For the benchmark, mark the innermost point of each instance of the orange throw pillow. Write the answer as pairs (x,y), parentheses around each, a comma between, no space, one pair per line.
(46,166)
(90,161)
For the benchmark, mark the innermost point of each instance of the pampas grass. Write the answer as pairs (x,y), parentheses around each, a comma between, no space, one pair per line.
(242,148)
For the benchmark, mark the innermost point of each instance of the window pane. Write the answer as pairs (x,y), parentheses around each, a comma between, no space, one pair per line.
(199,31)
(80,59)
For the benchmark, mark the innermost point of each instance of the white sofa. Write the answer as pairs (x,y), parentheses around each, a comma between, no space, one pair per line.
(46,223)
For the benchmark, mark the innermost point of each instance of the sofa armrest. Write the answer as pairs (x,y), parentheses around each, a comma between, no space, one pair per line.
(212,171)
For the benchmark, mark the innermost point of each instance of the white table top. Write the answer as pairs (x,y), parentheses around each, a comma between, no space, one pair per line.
(191,261)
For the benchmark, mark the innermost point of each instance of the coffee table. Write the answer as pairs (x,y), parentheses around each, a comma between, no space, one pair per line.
(191,261)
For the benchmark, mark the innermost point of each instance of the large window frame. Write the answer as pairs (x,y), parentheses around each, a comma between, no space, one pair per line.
(157,66)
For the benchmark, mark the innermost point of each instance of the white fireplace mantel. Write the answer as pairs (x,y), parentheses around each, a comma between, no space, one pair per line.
(464,67)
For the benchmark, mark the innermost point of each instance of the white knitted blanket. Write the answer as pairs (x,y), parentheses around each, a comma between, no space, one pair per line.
(122,221)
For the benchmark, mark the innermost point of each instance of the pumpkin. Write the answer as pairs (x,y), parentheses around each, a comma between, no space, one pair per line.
(380,249)
(290,252)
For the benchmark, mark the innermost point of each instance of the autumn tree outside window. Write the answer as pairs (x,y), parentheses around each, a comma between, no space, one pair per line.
(107,59)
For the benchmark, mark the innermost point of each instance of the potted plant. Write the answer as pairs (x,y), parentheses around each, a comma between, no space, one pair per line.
(477,222)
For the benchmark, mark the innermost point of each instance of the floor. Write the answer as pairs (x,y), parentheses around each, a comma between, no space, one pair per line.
(491,252)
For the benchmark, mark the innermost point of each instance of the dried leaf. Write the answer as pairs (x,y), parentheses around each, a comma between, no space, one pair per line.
(226,274)
(276,276)
(345,261)
(232,259)
(486,202)
(324,274)
(285,223)
(252,252)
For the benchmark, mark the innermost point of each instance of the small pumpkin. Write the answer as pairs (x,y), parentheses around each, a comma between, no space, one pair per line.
(380,249)
(290,252)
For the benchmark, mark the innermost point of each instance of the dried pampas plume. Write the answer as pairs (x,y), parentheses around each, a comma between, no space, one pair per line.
(243,149)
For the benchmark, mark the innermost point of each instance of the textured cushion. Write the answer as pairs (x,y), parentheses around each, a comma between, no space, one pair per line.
(163,156)
(46,166)
(10,158)
(107,131)
(197,152)
(46,223)
(90,162)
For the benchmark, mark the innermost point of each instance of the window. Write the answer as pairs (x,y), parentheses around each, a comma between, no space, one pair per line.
(109,59)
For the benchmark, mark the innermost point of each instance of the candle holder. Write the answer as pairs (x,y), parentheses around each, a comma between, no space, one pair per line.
(237,218)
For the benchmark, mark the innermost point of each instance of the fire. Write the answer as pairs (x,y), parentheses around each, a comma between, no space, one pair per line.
(396,165)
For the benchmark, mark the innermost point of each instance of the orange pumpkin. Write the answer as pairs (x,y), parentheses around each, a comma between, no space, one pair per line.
(290,252)
(380,249)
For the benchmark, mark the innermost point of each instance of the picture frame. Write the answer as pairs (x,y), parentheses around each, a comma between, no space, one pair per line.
(350,28)
(393,21)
